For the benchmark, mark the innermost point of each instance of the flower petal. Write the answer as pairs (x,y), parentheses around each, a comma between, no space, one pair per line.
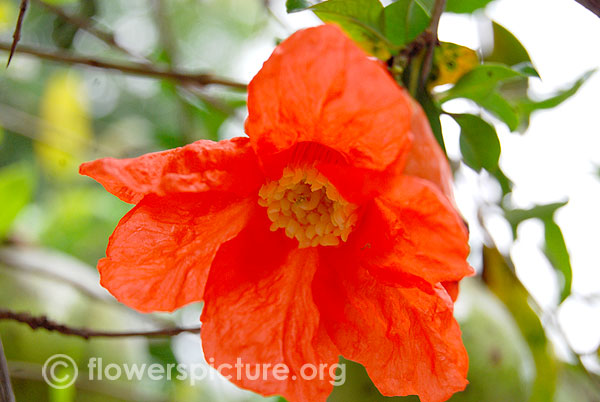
(359,185)
(259,309)
(452,289)
(228,165)
(408,340)
(426,158)
(319,86)
(413,230)
(159,256)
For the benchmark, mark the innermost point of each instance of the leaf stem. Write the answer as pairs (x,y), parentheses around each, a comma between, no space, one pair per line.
(438,9)
(415,70)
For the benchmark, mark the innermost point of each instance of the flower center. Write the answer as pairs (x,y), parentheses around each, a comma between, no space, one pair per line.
(308,207)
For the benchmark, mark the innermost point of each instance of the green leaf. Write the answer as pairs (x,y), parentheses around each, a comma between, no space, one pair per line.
(543,212)
(479,82)
(481,86)
(558,255)
(555,248)
(362,20)
(405,20)
(364,13)
(465,6)
(507,48)
(433,112)
(502,281)
(479,143)
(526,107)
(426,5)
(527,69)
(16,188)
(293,6)
(500,108)
(505,183)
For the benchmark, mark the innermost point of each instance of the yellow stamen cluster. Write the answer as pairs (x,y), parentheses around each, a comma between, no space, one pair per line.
(308,207)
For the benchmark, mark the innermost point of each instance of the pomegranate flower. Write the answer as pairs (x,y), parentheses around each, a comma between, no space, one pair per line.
(329,231)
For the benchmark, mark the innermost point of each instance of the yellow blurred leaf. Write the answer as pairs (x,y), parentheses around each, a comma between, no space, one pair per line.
(450,62)
(66,129)
(8,13)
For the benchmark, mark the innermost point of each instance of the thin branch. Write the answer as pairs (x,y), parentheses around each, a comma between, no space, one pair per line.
(36,322)
(436,14)
(109,39)
(592,5)
(432,30)
(17,33)
(129,68)
(6,393)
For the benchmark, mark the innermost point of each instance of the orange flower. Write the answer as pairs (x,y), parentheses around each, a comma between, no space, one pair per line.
(326,232)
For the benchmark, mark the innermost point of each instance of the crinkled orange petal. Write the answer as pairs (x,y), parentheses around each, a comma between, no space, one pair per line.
(408,340)
(413,230)
(228,165)
(452,288)
(159,256)
(360,185)
(356,185)
(259,308)
(319,86)
(426,158)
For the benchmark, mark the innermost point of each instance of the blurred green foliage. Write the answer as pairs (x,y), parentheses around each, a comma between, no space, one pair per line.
(16,188)
(479,143)
(415,17)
